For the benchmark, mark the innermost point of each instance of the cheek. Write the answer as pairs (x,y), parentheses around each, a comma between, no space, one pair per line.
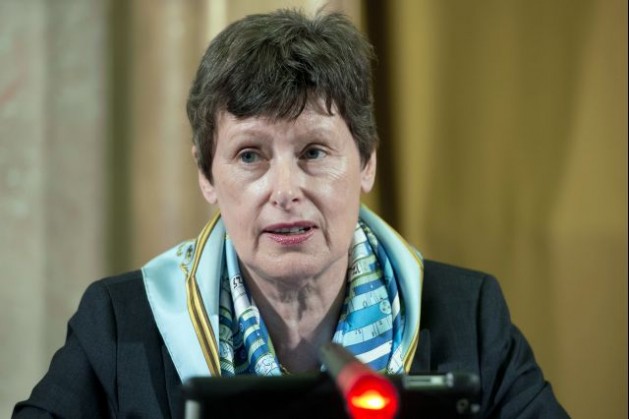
(238,225)
(233,189)
(341,198)
(339,175)
(239,204)
(343,185)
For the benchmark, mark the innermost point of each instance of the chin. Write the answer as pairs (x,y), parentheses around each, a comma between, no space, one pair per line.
(292,273)
(291,268)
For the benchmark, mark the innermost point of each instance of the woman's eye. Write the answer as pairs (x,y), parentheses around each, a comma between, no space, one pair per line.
(314,153)
(249,156)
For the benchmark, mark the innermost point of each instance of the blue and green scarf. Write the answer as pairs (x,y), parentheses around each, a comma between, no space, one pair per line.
(370,326)
(212,328)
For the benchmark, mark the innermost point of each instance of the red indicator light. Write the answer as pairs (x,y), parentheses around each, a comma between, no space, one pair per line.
(370,397)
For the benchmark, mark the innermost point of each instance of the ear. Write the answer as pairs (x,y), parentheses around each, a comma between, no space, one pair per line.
(368,173)
(207,189)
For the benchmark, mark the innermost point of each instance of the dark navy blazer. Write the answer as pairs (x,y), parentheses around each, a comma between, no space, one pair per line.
(115,364)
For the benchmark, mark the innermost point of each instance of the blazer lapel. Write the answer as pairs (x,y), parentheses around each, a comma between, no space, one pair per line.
(173,385)
(421,362)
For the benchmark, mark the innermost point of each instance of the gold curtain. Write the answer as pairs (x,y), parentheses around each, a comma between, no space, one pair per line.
(96,172)
(504,148)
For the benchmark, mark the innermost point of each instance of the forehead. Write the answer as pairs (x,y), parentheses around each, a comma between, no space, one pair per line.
(314,119)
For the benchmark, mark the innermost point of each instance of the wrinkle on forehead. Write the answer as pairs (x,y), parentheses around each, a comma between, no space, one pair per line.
(309,121)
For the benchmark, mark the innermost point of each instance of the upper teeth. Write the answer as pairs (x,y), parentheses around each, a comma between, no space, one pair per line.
(290,230)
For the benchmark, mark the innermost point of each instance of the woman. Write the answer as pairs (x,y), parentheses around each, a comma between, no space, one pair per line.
(285,139)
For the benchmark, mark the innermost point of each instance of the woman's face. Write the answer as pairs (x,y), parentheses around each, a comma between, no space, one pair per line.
(288,191)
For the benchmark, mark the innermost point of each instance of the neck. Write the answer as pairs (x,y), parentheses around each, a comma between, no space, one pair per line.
(300,315)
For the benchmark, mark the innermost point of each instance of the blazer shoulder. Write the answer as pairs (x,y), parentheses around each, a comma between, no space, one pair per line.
(443,279)
(112,307)
(444,270)
(116,288)
(124,281)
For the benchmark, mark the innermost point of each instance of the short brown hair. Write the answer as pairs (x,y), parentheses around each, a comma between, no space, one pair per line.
(271,64)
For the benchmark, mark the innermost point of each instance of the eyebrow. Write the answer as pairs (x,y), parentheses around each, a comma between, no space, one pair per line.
(318,131)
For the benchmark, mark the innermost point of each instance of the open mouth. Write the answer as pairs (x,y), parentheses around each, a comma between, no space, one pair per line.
(290,234)
(290,231)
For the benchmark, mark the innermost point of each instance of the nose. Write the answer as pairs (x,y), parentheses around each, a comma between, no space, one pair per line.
(286,184)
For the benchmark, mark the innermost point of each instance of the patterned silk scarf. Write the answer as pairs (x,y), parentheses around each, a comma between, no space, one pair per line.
(370,325)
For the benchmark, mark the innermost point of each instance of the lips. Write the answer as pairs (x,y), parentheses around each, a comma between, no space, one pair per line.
(290,234)
(289,230)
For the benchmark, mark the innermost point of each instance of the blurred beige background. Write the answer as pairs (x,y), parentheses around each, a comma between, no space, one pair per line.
(504,148)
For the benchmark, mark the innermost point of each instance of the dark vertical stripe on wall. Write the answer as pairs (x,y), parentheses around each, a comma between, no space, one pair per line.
(118,146)
(377,27)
